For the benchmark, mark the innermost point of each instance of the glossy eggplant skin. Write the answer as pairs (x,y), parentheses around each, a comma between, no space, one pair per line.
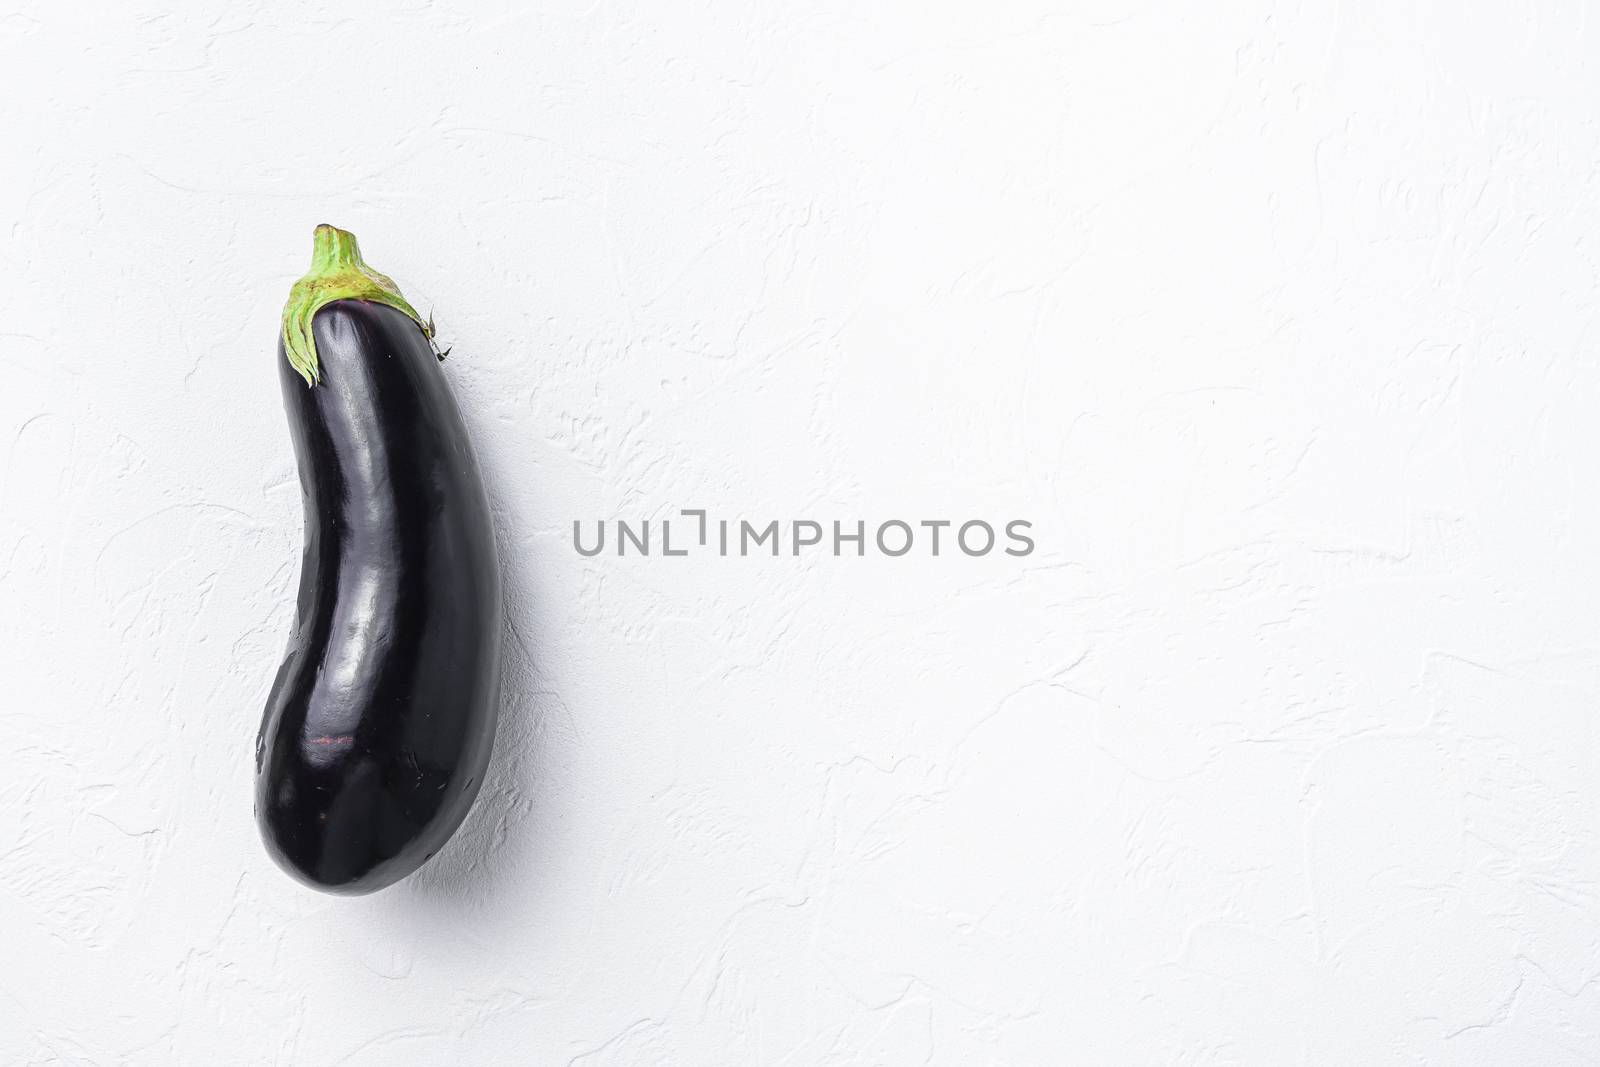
(379,725)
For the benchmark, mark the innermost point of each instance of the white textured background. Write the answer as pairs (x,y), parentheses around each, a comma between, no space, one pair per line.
(1279,321)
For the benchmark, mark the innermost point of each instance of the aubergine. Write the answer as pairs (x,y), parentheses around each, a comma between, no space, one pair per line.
(379,725)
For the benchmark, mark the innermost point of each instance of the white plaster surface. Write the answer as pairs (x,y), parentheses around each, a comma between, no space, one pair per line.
(1277,320)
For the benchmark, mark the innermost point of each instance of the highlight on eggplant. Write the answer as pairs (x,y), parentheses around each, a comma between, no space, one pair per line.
(379,725)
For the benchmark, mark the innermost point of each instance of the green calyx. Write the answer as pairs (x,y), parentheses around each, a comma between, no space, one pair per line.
(337,273)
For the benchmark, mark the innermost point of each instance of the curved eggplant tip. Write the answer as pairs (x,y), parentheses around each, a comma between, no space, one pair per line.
(358,839)
(335,874)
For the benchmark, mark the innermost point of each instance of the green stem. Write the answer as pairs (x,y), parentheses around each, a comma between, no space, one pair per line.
(337,273)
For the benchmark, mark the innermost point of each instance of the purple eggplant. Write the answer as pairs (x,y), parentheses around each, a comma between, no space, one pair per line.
(380,722)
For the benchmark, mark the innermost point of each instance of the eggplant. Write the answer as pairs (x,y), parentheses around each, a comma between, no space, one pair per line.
(380,722)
